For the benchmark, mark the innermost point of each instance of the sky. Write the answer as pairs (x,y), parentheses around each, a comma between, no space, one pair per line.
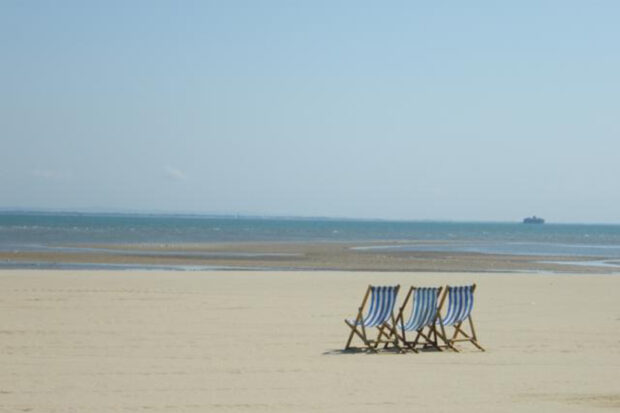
(450,110)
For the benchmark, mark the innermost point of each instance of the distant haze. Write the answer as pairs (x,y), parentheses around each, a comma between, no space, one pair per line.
(399,110)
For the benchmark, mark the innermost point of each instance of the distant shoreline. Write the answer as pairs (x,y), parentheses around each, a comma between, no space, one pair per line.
(269,217)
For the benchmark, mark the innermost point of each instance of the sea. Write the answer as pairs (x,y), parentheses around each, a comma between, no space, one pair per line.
(29,231)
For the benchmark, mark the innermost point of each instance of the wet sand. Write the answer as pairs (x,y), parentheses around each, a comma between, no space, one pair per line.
(300,256)
(100,341)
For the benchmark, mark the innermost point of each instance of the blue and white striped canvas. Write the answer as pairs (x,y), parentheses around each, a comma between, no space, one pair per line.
(424,309)
(460,304)
(382,302)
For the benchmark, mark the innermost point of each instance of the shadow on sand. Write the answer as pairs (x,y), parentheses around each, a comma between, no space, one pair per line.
(389,350)
(351,351)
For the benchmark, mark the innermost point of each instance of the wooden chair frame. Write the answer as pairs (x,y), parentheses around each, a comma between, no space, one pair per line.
(385,332)
(429,339)
(459,334)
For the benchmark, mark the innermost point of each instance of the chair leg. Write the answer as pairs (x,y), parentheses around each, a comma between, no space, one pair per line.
(346,347)
(381,332)
(388,338)
(458,329)
(360,335)
(385,330)
(428,337)
(433,335)
(393,338)
(358,319)
(474,340)
(444,338)
(403,338)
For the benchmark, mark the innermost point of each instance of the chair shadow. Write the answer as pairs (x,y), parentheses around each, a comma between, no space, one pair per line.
(429,349)
(390,350)
(352,351)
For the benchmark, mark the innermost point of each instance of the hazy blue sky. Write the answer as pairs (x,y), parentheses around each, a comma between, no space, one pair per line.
(461,110)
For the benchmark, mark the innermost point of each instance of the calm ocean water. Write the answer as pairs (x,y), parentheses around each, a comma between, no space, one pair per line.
(43,231)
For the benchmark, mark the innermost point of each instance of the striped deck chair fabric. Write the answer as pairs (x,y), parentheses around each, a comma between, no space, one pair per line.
(380,314)
(423,315)
(460,305)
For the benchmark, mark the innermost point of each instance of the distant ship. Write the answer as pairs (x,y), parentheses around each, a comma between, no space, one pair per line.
(533,220)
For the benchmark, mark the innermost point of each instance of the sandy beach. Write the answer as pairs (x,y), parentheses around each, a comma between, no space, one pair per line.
(101,341)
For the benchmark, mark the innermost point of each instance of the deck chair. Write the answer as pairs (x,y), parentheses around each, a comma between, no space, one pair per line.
(380,316)
(423,316)
(460,304)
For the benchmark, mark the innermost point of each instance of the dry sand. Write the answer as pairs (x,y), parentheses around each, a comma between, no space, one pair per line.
(256,341)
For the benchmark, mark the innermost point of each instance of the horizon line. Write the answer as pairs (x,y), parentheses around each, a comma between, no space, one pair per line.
(221,215)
